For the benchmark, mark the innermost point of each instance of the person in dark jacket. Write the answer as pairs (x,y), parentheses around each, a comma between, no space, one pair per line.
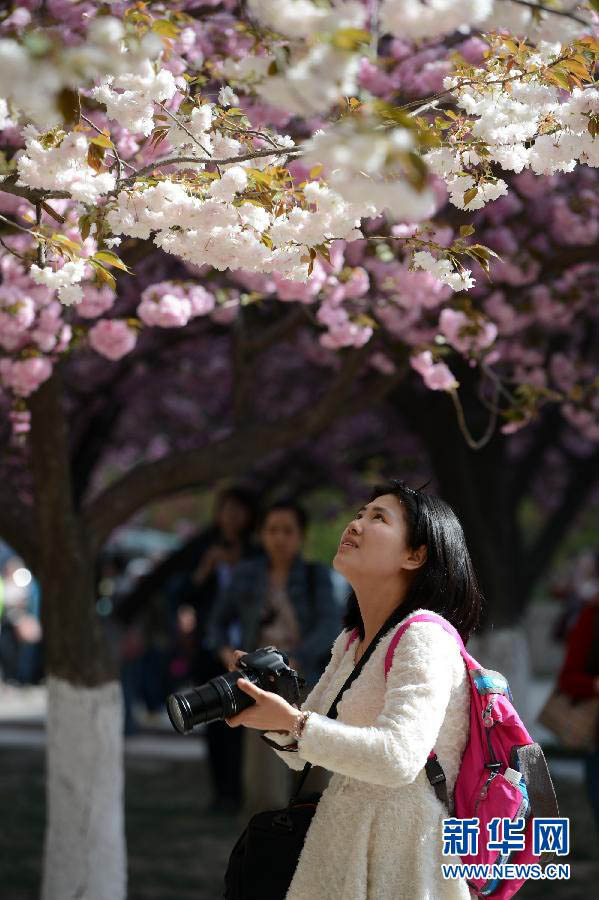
(226,544)
(579,678)
(278,599)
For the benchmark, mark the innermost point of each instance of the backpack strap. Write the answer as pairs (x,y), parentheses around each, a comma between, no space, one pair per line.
(354,634)
(433,768)
(421,617)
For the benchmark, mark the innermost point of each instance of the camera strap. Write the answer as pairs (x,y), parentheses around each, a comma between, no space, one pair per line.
(396,616)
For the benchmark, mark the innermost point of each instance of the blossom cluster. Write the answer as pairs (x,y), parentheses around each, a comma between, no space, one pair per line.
(63,168)
(129,98)
(511,126)
(295,223)
(210,229)
(34,73)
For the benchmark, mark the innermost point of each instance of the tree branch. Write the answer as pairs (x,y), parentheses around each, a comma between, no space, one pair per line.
(538,7)
(173,160)
(537,558)
(9,186)
(241,371)
(278,331)
(231,456)
(544,436)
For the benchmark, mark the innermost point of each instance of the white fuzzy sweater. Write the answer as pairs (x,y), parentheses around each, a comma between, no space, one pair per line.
(377,831)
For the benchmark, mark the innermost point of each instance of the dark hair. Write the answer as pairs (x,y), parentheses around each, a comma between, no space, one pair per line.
(245,497)
(446,582)
(287,505)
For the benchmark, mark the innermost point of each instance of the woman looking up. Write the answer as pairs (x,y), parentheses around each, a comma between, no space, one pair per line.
(377,830)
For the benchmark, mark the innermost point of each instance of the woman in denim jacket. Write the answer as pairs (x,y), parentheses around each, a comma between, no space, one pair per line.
(276,599)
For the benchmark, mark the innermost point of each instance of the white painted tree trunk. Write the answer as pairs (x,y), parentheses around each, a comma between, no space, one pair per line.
(506,650)
(85,853)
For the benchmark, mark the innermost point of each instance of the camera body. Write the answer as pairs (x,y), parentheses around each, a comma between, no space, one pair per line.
(220,698)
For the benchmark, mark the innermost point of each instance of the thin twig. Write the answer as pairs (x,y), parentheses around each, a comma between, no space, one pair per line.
(14,252)
(498,383)
(467,82)
(16,225)
(538,7)
(41,247)
(119,161)
(472,443)
(184,127)
(430,105)
(170,161)
(239,128)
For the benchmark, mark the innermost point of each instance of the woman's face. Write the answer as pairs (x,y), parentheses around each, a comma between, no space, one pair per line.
(233,518)
(375,542)
(281,535)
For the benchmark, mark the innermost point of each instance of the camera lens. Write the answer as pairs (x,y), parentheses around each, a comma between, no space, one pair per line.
(214,701)
(175,706)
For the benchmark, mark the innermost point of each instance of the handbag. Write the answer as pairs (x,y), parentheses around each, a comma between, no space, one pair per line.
(264,858)
(575,722)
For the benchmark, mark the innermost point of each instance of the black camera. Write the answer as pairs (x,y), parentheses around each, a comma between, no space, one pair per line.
(220,698)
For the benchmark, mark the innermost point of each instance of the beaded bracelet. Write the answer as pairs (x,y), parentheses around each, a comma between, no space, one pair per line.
(300,724)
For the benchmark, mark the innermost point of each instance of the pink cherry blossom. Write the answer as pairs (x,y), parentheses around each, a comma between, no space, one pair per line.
(201,300)
(437,376)
(96,301)
(167,311)
(374,79)
(305,292)
(24,376)
(465,334)
(473,50)
(112,338)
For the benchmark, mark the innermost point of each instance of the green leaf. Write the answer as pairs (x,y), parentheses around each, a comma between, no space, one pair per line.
(111,259)
(101,140)
(470,195)
(103,274)
(482,251)
(388,111)
(350,38)
(85,225)
(558,78)
(65,242)
(165,29)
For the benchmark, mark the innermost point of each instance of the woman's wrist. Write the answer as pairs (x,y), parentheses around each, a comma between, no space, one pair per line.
(298,723)
(294,717)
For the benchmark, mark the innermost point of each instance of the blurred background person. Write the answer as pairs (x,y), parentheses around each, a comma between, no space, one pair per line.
(277,599)
(20,626)
(192,597)
(579,678)
(574,589)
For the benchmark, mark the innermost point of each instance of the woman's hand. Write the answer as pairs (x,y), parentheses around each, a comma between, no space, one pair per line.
(229,657)
(269,712)
(212,557)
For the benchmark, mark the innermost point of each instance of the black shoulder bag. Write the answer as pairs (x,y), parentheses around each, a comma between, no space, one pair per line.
(264,859)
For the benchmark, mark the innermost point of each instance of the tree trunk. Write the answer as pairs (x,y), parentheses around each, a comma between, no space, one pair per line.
(85,853)
(476,484)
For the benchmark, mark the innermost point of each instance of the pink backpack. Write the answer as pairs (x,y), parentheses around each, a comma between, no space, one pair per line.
(498,741)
